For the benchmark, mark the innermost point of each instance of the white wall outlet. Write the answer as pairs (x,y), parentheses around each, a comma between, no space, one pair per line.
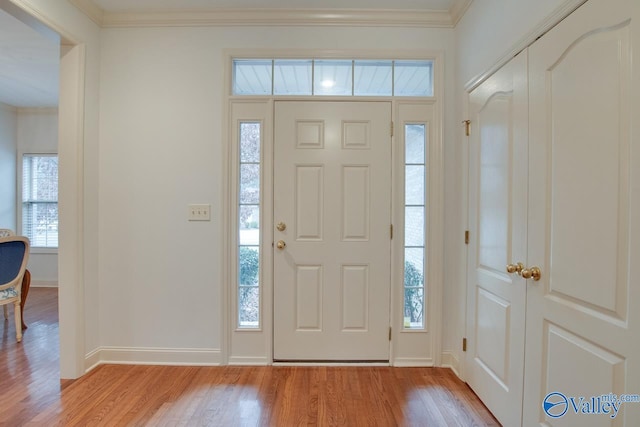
(199,212)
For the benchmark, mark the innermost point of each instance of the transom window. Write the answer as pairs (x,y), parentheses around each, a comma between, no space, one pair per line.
(332,77)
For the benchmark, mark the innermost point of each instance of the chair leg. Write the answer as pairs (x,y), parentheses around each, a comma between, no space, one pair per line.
(18,319)
(6,311)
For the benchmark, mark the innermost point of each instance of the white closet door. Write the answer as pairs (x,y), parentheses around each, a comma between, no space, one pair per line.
(496,300)
(583,315)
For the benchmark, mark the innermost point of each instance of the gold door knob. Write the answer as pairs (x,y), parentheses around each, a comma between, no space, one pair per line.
(515,268)
(281,226)
(532,273)
(281,244)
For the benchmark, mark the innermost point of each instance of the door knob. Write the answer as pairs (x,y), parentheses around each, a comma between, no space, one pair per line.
(281,244)
(515,268)
(281,226)
(532,273)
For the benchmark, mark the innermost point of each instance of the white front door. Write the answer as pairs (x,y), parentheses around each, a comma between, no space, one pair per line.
(583,315)
(332,204)
(496,300)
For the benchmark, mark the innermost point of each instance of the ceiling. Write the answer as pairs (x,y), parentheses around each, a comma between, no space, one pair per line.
(29,62)
(29,65)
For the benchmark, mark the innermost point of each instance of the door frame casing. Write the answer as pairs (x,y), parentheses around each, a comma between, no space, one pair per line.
(71,153)
(255,346)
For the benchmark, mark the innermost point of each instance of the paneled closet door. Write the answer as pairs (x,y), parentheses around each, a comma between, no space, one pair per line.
(496,298)
(583,314)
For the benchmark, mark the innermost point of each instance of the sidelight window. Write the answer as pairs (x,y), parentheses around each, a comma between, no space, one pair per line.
(415,225)
(249,198)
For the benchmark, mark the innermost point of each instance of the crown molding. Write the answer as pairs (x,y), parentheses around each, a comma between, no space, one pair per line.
(458,9)
(281,17)
(89,8)
(272,17)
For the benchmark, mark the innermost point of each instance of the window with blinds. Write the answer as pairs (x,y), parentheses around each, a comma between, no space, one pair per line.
(40,199)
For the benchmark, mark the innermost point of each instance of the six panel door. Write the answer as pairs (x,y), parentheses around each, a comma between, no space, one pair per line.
(332,202)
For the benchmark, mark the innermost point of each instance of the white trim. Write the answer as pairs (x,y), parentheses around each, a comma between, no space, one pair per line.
(44,283)
(153,356)
(247,343)
(458,9)
(249,361)
(548,23)
(450,360)
(429,347)
(71,130)
(33,17)
(256,337)
(92,360)
(71,214)
(413,362)
(89,8)
(464,225)
(283,17)
(333,364)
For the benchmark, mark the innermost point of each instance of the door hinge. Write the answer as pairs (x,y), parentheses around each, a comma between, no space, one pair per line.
(389,333)
(464,344)
(391,230)
(466,237)
(391,129)
(467,127)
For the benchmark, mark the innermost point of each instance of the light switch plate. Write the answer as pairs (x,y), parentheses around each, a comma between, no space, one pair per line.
(199,213)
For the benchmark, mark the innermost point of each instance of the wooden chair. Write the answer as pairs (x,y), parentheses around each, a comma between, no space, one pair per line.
(14,254)
(5,232)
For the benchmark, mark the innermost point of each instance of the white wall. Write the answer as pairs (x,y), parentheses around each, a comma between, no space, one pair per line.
(8,150)
(161,115)
(489,31)
(161,121)
(38,133)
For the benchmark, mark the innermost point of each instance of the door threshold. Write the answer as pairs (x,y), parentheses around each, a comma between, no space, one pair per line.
(282,362)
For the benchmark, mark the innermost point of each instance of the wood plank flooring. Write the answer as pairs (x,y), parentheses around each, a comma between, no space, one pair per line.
(121,395)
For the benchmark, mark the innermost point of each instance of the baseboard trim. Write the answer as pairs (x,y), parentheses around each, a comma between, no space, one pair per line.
(249,361)
(450,360)
(44,283)
(92,360)
(154,356)
(411,362)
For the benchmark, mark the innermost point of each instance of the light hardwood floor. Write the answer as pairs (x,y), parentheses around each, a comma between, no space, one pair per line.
(119,395)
